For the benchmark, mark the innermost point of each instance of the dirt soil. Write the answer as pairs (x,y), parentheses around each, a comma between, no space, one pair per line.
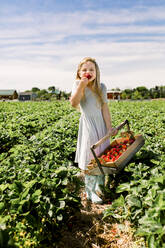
(86,229)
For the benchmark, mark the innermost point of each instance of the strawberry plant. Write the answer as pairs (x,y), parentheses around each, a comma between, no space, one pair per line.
(20,121)
(39,185)
(139,194)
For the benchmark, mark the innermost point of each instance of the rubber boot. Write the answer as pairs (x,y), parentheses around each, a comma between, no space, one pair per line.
(90,185)
(100,181)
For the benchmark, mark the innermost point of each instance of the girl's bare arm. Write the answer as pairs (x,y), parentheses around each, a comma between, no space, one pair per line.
(107,119)
(106,116)
(77,96)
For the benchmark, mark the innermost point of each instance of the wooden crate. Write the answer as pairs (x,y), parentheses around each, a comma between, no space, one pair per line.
(121,162)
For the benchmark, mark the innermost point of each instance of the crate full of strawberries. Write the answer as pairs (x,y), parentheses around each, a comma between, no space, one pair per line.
(115,151)
(117,155)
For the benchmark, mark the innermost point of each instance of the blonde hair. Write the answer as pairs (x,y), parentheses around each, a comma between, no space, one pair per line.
(96,87)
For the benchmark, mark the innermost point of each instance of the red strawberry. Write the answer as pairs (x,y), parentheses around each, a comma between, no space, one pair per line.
(117,157)
(113,159)
(131,141)
(87,75)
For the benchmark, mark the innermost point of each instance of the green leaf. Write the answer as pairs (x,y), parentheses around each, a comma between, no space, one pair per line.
(62,204)
(65,181)
(15,202)
(160,200)
(149,229)
(17,185)
(133,201)
(159,179)
(4,219)
(36,196)
(30,184)
(50,213)
(119,202)
(151,241)
(123,187)
(25,193)
(2,207)
(157,162)
(3,187)
(60,217)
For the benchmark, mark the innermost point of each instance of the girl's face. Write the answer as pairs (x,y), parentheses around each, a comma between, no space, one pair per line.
(88,68)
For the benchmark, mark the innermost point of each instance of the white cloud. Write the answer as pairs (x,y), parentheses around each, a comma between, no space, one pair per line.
(33,51)
(83,23)
(121,65)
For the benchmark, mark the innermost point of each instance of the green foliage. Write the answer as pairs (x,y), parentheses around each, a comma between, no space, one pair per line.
(51,88)
(136,95)
(38,183)
(139,191)
(141,93)
(35,89)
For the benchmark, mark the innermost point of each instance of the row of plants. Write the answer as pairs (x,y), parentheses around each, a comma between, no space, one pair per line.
(39,185)
(18,122)
(139,190)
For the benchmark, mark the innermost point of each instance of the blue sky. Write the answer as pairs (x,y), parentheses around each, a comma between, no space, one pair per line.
(42,42)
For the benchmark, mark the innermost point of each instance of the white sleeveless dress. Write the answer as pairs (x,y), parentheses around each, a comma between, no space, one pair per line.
(91,126)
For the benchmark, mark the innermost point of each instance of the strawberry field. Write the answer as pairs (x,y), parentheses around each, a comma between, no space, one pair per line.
(140,189)
(39,187)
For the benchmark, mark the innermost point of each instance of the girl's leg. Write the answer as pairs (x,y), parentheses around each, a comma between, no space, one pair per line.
(91,184)
(100,181)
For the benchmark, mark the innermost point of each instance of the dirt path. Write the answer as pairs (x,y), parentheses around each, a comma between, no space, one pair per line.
(87,230)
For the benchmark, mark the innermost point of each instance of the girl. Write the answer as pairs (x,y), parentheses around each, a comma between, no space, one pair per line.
(95,121)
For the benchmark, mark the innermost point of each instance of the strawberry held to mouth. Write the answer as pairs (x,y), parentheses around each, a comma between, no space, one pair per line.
(87,75)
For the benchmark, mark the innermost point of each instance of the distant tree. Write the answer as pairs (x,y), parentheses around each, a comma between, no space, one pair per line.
(162,91)
(141,88)
(144,92)
(123,95)
(151,92)
(116,89)
(156,92)
(51,88)
(128,93)
(65,95)
(58,94)
(42,93)
(136,95)
(34,89)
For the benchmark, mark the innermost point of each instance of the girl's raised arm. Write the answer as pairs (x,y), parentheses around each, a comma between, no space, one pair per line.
(79,92)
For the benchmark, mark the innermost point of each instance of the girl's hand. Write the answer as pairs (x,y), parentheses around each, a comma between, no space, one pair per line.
(84,82)
(112,131)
